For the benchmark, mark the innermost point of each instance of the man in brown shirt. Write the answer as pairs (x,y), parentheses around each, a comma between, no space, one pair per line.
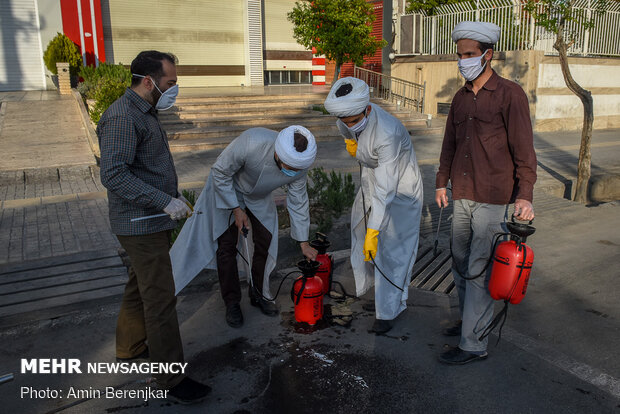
(488,156)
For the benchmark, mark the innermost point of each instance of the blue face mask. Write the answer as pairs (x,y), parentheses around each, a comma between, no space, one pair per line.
(360,126)
(290,173)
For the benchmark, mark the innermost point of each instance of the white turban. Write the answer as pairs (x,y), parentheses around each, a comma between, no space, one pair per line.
(285,147)
(350,102)
(480,31)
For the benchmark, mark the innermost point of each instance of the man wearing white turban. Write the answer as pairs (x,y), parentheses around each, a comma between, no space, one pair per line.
(385,219)
(488,157)
(238,195)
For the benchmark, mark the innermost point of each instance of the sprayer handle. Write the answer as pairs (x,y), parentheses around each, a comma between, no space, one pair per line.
(513,219)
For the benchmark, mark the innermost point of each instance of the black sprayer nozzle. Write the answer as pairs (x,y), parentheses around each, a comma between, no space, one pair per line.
(308,268)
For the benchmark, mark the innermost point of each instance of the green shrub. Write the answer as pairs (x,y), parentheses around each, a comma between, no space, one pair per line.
(105,93)
(320,108)
(329,196)
(62,49)
(191,197)
(104,85)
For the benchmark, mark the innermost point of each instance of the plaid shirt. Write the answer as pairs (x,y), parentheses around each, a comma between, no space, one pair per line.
(136,166)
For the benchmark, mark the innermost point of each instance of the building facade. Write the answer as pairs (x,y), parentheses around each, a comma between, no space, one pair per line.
(218,43)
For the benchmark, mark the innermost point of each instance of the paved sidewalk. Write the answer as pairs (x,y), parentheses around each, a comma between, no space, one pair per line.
(44,134)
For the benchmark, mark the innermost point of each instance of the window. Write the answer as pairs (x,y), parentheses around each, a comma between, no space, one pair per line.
(285,77)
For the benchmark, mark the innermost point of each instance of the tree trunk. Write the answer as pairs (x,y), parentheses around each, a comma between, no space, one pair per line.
(585,155)
(336,71)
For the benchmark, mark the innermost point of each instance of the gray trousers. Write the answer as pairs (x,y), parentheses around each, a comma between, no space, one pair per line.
(473,227)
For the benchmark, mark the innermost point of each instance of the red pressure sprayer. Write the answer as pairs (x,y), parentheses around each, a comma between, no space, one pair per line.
(307,293)
(512,264)
(321,244)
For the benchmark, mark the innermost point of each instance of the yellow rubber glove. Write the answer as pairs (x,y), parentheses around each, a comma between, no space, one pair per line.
(370,244)
(183,199)
(351,146)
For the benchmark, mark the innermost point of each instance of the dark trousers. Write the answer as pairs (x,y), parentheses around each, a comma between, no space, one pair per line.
(227,259)
(148,310)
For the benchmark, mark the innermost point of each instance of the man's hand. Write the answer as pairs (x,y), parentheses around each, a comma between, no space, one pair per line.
(241,219)
(177,209)
(523,210)
(308,251)
(441,197)
(183,199)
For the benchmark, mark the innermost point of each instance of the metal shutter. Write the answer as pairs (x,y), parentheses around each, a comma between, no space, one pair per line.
(21,55)
(255,42)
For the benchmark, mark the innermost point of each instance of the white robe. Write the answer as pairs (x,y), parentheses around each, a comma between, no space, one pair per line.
(245,175)
(392,188)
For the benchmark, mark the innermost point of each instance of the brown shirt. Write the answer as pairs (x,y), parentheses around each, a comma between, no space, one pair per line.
(488,147)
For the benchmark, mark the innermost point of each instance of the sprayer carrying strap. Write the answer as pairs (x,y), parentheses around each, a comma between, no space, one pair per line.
(496,238)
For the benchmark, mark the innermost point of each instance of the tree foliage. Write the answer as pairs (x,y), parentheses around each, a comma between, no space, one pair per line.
(565,21)
(428,7)
(340,30)
(62,49)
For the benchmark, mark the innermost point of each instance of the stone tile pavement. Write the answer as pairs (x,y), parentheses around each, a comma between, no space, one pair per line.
(56,229)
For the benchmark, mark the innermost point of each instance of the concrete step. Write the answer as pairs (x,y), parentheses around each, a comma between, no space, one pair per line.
(310,121)
(200,143)
(249,98)
(217,117)
(231,104)
(239,118)
(318,126)
(224,113)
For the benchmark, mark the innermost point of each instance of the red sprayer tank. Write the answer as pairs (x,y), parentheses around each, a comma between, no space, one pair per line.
(307,293)
(512,264)
(321,244)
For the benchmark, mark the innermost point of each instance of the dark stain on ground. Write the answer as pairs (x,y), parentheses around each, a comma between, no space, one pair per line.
(597,313)
(126,407)
(607,243)
(582,391)
(289,322)
(400,338)
(319,379)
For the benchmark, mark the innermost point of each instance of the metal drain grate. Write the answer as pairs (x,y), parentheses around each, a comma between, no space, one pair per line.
(433,273)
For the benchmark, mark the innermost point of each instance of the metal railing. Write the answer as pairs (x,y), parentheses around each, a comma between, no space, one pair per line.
(403,93)
(420,34)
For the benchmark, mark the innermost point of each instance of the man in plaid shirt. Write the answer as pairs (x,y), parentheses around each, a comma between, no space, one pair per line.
(138,171)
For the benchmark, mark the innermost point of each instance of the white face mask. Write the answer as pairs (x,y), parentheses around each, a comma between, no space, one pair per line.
(360,126)
(472,67)
(167,99)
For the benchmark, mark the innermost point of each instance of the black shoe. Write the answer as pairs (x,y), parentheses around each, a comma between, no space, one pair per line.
(454,330)
(381,326)
(188,391)
(267,307)
(456,356)
(234,317)
(141,357)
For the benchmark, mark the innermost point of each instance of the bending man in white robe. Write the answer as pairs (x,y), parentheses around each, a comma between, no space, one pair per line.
(238,194)
(390,194)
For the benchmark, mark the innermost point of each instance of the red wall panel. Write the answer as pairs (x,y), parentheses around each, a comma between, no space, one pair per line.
(89,38)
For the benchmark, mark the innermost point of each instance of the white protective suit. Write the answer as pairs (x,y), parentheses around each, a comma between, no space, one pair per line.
(245,175)
(392,190)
